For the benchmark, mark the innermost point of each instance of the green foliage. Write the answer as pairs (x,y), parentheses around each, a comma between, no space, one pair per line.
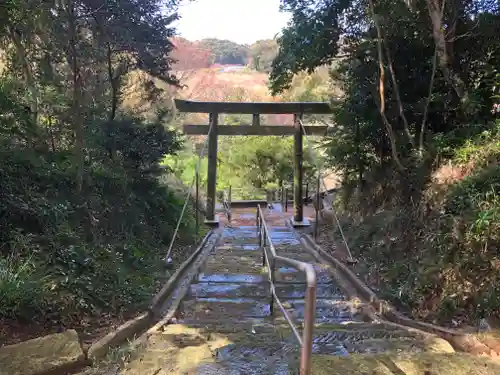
(21,289)
(226,51)
(262,53)
(314,87)
(102,249)
(428,246)
(86,206)
(258,162)
(309,41)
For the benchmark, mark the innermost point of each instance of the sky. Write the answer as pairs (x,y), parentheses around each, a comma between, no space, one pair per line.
(242,21)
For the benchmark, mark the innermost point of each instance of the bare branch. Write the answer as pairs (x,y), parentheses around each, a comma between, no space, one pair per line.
(398,96)
(381,107)
(429,97)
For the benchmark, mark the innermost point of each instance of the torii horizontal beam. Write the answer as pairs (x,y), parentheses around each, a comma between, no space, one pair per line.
(253,108)
(276,130)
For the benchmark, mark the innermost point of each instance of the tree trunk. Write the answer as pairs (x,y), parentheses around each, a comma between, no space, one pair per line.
(381,106)
(114,100)
(444,61)
(28,74)
(77,120)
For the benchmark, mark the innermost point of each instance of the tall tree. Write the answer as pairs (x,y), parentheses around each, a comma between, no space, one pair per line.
(84,49)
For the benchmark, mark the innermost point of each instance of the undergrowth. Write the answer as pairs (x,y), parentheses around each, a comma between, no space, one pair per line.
(66,255)
(437,258)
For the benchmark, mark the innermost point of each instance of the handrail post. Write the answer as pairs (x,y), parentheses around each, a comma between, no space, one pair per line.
(273,279)
(316,223)
(286,200)
(264,243)
(309,319)
(197,203)
(257,223)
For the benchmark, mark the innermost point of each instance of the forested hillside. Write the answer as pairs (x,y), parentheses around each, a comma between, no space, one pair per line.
(417,141)
(85,213)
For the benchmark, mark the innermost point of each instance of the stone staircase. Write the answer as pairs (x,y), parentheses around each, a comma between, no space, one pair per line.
(224,324)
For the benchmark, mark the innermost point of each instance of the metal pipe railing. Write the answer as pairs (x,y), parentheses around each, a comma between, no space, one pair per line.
(269,258)
(226,203)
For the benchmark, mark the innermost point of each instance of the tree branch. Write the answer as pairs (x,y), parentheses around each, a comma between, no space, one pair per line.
(429,96)
(381,107)
(398,96)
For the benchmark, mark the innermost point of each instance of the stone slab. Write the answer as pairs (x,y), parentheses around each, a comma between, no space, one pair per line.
(230,290)
(223,308)
(53,354)
(417,364)
(212,223)
(126,331)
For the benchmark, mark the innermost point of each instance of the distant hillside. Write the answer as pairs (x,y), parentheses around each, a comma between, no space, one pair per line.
(226,52)
(207,52)
(218,70)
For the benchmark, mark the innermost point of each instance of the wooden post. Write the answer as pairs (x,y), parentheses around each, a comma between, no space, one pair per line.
(286,200)
(212,168)
(197,188)
(306,195)
(298,209)
(317,206)
(255,119)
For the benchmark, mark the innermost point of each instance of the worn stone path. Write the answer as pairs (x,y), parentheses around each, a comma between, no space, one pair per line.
(224,324)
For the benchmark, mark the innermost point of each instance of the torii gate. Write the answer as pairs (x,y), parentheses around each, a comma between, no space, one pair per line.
(255,109)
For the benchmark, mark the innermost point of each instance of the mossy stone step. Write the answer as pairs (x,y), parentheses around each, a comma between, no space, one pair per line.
(398,345)
(224,309)
(232,264)
(286,292)
(411,364)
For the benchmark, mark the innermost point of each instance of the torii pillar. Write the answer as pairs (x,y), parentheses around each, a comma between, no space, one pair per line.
(298,173)
(211,218)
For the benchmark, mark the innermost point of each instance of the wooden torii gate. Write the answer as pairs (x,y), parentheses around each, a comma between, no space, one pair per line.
(255,109)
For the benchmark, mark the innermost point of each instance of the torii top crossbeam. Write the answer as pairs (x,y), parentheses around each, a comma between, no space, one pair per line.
(255,109)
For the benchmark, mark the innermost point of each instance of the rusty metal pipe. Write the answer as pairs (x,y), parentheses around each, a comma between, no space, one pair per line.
(307,338)
(310,300)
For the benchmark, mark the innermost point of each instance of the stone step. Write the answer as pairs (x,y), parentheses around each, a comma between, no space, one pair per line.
(286,273)
(354,326)
(286,291)
(407,345)
(250,251)
(327,311)
(355,335)
(232,278)
(224,352)
(232,264)
(236,248)
(243,324)
(230,290)
(255,275)
(224,308)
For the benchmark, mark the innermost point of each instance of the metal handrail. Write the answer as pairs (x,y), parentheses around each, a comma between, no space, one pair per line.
(195,181)
(269,258)
(226,203)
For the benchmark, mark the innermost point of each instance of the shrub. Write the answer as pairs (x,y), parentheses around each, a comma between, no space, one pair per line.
(21,289)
